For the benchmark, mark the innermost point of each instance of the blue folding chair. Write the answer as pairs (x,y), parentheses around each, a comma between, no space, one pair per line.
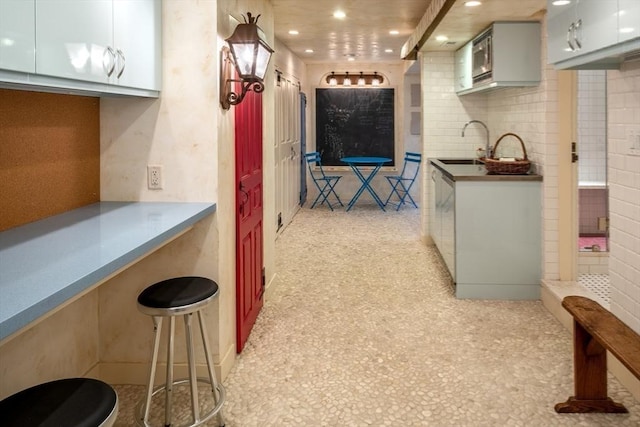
(325,183)
(401,184)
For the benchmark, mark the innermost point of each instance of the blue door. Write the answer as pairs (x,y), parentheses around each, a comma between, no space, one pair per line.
(303,148)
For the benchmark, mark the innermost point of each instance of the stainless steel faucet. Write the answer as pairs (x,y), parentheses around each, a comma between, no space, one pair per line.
(487,149)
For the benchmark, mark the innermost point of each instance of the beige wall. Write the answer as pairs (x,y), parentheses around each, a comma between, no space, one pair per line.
(186,132)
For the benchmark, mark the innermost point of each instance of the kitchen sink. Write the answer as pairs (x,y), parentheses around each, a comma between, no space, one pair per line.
(461,161)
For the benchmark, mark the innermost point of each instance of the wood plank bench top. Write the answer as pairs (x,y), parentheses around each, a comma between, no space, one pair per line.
(596,331)
(621,341)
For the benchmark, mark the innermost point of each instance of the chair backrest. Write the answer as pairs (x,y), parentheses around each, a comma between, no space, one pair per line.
(410,157)
(313,159)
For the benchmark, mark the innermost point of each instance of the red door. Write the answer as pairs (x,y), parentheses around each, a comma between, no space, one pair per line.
(249,261)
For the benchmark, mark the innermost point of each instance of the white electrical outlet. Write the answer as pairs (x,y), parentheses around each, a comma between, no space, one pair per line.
(154,177)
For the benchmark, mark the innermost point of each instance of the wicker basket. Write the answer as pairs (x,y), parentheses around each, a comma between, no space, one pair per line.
(514,167)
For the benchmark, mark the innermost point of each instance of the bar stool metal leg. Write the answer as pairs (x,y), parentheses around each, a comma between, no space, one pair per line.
(169,383)
(193,379)
(157,328)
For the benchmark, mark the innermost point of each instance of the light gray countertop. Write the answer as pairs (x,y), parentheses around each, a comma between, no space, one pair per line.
(48,262)
(478,172)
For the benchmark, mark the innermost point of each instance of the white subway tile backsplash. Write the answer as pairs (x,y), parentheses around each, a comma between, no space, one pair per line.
(624,177)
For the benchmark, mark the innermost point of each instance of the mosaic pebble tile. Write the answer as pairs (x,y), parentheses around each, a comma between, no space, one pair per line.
(362,329)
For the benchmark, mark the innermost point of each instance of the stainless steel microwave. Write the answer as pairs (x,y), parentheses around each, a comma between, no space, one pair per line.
(482,58)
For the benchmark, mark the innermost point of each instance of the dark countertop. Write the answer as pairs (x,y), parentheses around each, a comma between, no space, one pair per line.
(477,172)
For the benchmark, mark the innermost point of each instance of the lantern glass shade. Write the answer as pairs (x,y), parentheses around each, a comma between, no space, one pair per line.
(262,61)
(250,51)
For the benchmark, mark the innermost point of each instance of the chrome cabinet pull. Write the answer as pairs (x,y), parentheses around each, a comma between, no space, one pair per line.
(577,34)
(112,61)
(570,35)
(123,61)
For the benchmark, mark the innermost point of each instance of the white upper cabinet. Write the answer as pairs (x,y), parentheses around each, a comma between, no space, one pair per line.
(628,19)
(82,46)
(104,41)
(560,25)
(462,70)
(74,39)
(137,41)
(581,26)
(17,35)
(591,34)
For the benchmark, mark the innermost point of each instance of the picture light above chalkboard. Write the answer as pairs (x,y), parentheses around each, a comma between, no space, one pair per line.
(355,79)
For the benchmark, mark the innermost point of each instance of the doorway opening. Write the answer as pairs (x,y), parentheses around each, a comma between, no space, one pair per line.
(593,191)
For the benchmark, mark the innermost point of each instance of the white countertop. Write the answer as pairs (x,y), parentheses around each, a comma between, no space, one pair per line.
(48,262)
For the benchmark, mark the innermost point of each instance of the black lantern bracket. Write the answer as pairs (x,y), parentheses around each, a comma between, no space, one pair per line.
(227,96)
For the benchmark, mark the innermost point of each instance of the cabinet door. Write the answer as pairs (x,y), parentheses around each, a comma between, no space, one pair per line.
(628,19)
(559,24)
(448,225)
(435,214)
(597,24)
(137,42)
(17,35)
(462,70)
(74,39)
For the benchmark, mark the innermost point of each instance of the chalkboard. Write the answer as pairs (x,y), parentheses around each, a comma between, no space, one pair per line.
(354,122)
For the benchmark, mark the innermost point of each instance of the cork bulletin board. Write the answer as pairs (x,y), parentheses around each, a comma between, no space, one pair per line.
(49,155)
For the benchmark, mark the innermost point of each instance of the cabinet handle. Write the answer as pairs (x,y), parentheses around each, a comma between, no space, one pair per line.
(112,61)
(433,176)
(570,35)
(577,34)
(123,62)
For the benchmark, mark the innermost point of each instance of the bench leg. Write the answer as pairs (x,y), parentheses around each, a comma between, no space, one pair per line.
(590,377)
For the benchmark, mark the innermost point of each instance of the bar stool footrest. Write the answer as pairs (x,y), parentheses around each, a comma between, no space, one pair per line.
(203,419)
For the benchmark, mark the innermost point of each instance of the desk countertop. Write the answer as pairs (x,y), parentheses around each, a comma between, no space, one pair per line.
(48,262)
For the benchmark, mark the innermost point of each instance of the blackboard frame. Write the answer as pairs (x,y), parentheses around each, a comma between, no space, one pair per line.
(355,122)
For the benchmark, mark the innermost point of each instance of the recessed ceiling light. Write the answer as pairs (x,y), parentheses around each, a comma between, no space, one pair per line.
(389,50)
(560,2)
(627,30)
(294,32)
(394,32)
(472,3)
(351,58)
(442,38)
(308,50)
(339,14)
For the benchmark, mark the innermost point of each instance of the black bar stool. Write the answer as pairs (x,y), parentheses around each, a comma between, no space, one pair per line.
(170,298)
(70,402)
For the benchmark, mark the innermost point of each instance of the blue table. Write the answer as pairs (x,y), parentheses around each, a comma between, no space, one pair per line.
(357,164)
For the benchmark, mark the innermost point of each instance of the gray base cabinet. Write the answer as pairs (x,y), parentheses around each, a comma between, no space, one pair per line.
(489,234)
(498,239)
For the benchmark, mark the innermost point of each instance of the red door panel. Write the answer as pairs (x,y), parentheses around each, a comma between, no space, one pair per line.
(249,258)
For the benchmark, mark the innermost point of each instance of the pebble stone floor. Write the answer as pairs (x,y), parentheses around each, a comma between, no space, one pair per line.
(361,328)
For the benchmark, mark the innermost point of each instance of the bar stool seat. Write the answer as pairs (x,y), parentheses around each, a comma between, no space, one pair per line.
(180,296)
(69,402)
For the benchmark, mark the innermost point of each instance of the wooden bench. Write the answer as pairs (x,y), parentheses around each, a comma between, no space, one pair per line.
(596,330)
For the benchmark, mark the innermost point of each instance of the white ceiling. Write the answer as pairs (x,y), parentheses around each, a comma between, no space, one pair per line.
(364,33)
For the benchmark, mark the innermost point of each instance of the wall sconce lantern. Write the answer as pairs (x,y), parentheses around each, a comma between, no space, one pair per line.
(250,55)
